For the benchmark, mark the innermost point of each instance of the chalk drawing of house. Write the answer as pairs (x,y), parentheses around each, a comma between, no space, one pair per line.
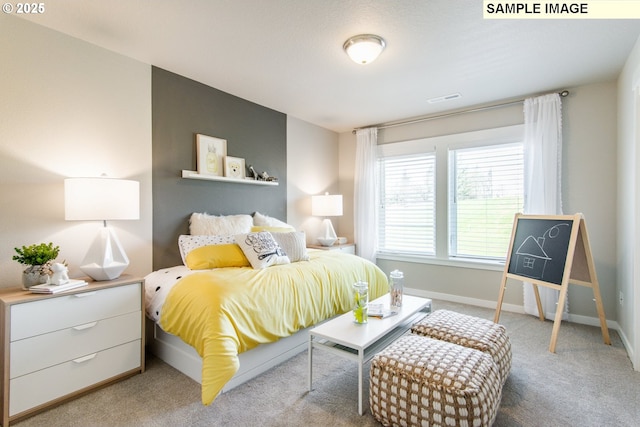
(531,258)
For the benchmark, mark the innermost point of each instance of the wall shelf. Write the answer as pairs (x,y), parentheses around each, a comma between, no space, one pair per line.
(195,175)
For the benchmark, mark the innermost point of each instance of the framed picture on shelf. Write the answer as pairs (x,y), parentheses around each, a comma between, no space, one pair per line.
(211,153)
(234,167)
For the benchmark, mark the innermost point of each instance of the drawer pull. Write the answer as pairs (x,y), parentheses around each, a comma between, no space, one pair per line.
(85,294)
(85,326)
(84,358)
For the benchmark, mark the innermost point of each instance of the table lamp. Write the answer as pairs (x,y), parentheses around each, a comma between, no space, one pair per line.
(327,205)
(102,199)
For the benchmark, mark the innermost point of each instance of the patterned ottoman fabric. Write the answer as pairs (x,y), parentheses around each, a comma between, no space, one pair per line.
(419,381)
(469,331)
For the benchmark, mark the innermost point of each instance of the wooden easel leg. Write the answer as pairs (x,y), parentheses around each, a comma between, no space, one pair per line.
(593,282)
(558,319)
(601,316)
(537,294)
(496,317)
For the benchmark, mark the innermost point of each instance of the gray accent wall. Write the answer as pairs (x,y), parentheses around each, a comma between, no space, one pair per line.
(182,108)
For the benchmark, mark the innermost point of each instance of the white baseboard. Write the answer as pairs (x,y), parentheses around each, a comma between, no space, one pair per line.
(464,300)
(583,320)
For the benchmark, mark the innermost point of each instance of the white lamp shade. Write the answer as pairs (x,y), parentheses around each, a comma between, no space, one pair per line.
(326,205)
(101,199)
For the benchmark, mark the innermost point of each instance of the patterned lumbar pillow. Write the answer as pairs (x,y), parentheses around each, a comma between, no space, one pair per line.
(261,249)
(294,244)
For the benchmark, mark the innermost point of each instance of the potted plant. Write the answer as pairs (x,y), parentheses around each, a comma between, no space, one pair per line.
(38,258)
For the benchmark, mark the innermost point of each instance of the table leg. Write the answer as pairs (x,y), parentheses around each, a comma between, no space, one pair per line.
(360,363)
(310,362)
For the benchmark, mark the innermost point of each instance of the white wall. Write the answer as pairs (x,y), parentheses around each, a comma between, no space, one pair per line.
(346,177)
(628,227)
(589,183)
(68,109)
(312,168)
(74,109)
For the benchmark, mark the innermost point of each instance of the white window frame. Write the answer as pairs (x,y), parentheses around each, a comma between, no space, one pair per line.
(441,146)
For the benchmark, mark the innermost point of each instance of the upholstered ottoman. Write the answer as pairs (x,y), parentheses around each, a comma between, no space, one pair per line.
(469,331)
(422,381)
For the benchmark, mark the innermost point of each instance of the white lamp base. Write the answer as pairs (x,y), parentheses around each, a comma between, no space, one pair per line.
(328,236)
(105,259)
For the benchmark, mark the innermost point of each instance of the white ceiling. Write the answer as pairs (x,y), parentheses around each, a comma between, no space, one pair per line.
(287,54)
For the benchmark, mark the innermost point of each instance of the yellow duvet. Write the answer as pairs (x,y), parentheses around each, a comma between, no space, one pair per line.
(226,311)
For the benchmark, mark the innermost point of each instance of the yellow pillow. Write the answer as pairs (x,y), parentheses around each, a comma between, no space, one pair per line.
(216,256)
(259,228)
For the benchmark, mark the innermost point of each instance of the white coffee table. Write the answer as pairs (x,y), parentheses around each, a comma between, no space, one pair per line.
(360,342)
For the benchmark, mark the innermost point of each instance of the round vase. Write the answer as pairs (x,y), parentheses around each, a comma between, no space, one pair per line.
(33,276)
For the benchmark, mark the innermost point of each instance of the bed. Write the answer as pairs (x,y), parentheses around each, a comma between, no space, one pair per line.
(241,302)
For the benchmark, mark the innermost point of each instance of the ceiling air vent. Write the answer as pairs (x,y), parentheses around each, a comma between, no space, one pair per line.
(444,98)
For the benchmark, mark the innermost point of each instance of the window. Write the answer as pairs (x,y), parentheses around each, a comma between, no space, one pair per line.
(485,191)
(407,204)
(452,197)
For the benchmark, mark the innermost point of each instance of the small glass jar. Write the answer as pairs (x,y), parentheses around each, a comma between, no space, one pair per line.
(361,302)
(396,289)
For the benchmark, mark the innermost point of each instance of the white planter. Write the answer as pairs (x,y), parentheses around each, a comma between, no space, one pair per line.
(33,276)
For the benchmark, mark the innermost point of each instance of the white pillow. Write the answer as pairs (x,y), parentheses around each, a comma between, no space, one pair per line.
(294,244)
(188,243)
(229,225)
(268,221)
(261,249)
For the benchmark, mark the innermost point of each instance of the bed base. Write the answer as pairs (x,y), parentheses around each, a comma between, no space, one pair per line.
(175,352)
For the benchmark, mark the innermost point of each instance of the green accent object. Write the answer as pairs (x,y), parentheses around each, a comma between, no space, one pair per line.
(361,302)
(38,258)
(36,254)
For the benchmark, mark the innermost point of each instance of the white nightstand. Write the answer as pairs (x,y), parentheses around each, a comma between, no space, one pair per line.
(57,347)
(349,248)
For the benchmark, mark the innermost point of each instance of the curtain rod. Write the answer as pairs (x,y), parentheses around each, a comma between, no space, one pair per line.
(563,93)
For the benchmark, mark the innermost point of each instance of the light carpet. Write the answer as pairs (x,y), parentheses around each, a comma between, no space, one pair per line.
(585,383)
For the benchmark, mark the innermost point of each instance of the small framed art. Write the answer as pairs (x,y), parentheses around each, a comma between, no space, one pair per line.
(234,167)
(211,153)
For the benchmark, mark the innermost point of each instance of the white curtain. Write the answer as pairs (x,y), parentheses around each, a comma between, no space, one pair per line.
(542,178)
(365,195)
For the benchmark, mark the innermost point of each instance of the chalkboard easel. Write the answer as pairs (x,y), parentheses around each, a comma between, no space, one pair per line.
(552,251)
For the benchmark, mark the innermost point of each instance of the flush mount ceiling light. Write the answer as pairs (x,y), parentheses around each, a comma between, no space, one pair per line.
(364,48)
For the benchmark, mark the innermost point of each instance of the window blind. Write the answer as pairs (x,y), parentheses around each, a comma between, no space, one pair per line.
(407,204)
(485,192)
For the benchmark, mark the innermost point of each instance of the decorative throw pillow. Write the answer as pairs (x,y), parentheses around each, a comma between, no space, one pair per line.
(202,223)
(261,220)
(216,256)
(294,244)
(261,249)
(188,243)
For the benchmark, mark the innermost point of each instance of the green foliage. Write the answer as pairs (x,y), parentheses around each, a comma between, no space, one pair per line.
(36,254)
(360,308)
(484,226)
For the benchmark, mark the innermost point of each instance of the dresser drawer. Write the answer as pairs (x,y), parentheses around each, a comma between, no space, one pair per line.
(52,314)
(48,384)
(42,351)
